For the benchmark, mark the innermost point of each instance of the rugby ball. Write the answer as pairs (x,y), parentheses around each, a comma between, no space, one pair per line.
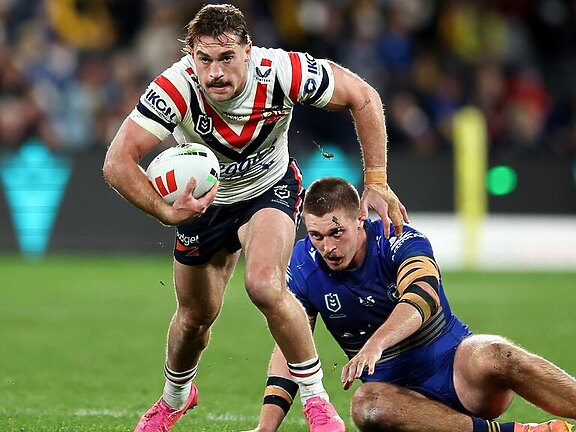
(171,170)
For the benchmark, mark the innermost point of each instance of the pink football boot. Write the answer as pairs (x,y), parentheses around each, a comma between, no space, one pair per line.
(161,417)
(321,416)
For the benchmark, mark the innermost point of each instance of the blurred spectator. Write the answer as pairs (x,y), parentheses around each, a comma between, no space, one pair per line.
(490,97)
(408,123)
(83,63)
(95,24)
(21,118)
(528,105)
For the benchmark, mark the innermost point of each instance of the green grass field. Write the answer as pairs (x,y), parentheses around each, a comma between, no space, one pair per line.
(82,342)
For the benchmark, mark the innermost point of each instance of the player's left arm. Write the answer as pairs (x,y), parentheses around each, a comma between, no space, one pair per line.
(417,282)
(365,105)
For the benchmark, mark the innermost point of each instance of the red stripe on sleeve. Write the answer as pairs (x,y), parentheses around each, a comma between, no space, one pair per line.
(296,76)
(173,93)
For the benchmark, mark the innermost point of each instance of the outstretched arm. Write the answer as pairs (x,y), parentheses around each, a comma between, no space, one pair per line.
(364,103)
(402,322)
(417,281)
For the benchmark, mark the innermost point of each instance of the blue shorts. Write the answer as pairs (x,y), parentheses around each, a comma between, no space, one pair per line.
(428,370)
(197,241)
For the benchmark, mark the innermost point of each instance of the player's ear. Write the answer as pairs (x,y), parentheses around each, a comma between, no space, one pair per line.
(248,50)
(359,220)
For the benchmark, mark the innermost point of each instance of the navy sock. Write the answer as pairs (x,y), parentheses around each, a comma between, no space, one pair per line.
(481,425)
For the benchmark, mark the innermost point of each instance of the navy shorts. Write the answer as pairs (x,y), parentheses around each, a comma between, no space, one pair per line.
(428,370)
(197,241)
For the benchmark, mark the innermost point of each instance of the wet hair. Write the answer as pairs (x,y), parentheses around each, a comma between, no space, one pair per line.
(331,193)
(215,20)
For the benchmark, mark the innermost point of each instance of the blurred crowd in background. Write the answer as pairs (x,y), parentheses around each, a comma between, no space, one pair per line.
(71,70)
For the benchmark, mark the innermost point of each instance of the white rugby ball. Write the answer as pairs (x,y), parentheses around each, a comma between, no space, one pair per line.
(171,170)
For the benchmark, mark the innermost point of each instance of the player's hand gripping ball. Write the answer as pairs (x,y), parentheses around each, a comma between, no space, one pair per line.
(171,170)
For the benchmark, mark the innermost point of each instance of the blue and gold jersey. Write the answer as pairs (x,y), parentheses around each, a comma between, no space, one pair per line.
(354,303)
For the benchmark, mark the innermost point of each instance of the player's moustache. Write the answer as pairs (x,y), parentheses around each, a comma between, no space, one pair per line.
(217,83)
(331,255)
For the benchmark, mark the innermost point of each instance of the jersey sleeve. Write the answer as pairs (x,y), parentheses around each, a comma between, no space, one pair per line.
(411,243)
(413,258)
(307,80)
(163,104)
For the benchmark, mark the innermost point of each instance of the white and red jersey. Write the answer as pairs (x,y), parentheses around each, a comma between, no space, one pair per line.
(249,134)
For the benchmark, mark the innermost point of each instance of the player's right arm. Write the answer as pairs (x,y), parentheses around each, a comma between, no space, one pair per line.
(417,282)
(123,173)
(363,102)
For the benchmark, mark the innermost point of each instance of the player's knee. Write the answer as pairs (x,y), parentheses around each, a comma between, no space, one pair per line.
(372,407)
(264,286)
(195,323)
(499,358)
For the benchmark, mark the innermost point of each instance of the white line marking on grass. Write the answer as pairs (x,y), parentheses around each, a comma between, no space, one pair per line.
(92,412)
(228,417)
(81,412)
(88,412)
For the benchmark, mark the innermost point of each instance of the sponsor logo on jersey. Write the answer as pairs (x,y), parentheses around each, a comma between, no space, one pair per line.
(235,117)
(232,169)
(160,105)
(310,86)
(392,292)
(204,125)
(187,244)
(312,67)
(312,253)
(332,302)
(269,115)
(263,71)
(272,115)
(367,301)
(311,64)
(187,240)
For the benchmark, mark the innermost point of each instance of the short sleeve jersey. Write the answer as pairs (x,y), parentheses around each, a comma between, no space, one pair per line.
(354,303)
(249,133)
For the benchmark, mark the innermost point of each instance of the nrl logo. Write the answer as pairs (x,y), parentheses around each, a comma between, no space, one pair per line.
(204,125)
(282,192)
(332,302)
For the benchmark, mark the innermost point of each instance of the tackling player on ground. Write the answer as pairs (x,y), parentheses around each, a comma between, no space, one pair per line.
(238,99)
(383,302)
